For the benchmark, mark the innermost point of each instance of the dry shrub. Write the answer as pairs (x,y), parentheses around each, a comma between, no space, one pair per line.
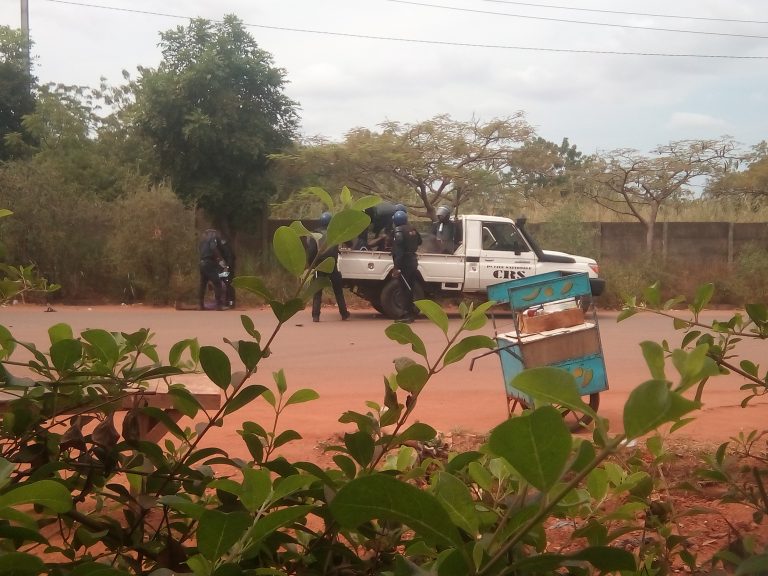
(154,245)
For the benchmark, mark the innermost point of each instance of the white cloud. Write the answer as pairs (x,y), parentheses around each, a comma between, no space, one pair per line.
(694,121)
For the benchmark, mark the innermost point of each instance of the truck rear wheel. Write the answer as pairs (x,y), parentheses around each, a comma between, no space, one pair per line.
(393,295)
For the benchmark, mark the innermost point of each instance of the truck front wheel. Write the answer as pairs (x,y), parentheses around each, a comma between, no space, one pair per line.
(393,297)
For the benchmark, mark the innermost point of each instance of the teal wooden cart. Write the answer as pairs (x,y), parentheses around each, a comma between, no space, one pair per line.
(551,328)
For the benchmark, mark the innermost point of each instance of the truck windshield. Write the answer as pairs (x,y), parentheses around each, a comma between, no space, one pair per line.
(503,237)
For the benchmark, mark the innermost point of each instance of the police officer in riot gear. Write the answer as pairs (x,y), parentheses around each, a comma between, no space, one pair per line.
(405,242)
(212,263)
(443,230)
(334,276)
(228,274)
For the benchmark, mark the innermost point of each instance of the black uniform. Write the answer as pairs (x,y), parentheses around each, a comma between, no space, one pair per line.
(380,227)
(335,278)
(405,243)
(228,253)
(211,260)
(444,231)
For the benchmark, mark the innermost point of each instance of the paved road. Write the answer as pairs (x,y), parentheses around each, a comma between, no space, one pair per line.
(346,362)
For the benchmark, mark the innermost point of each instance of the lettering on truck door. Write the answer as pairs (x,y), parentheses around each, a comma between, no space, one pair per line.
(504,254)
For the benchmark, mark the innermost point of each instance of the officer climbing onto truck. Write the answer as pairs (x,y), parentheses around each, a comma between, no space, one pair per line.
(404,245)
(444,230)
(334,276)
(380,228)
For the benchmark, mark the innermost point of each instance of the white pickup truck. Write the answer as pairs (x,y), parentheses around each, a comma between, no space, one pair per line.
(489,249)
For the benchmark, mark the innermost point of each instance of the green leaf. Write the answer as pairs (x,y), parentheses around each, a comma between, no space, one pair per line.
(184,401)
(301,396)
(289,250)
(96,569)
(703,296)
(478,317)
(183,504)
(753,565)
(758,313)
(346,465)
(536,444)
(60,332)
(250,353)
(456,498)
(466,345)
(626,313)
(404,334)
(48,493)
(435,313)
(257,487)
(385,498)
(652,295)
(284,311)
(345,226)
(218,531)
(65,353)
(216,366)
(654,357)
(417,431)
(286,436)
(326,266)
(243,397)
(360,447)
(18,563)
(321,194)
(268,524)
(652,404)
(7,344)
(606,558)
(5,212)
(250,328)
(255,285)
(174,356)
(412,378)
(366,202)
(103,345)
(552,386)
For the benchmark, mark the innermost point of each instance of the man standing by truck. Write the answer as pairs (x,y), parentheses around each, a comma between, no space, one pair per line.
(405,243)
(334,276)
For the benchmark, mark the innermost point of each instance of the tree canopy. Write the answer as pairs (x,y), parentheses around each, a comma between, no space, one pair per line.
(633,184)
(212,112)
(16,96)
(423,165)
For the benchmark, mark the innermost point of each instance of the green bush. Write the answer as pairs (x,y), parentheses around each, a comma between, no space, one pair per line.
(154,246)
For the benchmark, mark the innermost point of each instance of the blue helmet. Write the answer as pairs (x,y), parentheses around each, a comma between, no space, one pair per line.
(325,219)
(399,218)
(401,208)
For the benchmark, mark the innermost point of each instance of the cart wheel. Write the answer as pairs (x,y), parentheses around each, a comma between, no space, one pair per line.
(574,420)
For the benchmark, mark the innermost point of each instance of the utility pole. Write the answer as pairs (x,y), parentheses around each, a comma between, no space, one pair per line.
(25,35)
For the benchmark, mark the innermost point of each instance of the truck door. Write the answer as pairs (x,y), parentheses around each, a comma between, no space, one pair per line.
(504,254)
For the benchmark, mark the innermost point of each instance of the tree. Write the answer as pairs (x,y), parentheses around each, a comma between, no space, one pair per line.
(16,95)
(632,184)
(212,112)
(423,165)
(750,185)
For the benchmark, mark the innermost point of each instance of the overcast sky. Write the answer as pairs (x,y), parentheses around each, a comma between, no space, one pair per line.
(357,63)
